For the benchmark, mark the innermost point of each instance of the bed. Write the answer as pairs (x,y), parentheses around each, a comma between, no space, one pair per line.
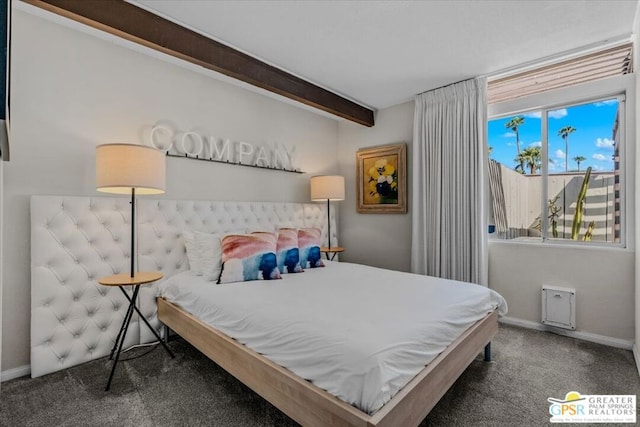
(76,240)
(360,337)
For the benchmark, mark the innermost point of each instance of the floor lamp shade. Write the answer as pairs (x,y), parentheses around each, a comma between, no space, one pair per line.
(133,170)
(123,167)
(327,188)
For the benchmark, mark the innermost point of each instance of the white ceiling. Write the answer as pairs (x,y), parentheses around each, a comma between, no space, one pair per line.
(381,53)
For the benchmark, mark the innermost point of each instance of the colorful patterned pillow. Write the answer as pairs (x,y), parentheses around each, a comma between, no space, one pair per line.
(249,257)
(287,251)
(309,243)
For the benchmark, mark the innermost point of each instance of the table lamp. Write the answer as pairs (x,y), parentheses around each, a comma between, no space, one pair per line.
(130,169)
(329,188)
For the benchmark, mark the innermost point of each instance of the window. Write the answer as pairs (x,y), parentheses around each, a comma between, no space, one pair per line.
(556,173)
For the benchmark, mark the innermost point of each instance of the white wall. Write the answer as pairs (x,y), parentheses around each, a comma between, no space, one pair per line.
(603,279)
(383,240)
(636,64)
(71,91)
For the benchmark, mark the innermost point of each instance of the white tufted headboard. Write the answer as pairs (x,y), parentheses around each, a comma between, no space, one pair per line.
(77,240)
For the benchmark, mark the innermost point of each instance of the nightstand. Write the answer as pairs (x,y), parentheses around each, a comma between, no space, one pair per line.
(335,250)
(122,280)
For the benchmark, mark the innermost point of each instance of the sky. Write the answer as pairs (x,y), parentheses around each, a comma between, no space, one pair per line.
(593,138)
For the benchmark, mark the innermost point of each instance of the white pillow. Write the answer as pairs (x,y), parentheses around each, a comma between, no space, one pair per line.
(209,254)
(193,253)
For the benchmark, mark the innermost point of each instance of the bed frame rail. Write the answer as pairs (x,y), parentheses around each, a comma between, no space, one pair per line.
(311,406)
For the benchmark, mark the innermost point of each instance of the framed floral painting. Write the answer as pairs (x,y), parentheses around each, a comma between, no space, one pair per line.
(382,179)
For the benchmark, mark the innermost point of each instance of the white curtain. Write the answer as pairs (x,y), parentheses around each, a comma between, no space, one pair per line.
(449,179)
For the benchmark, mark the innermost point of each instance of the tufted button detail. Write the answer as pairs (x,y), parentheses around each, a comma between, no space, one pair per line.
(76,336)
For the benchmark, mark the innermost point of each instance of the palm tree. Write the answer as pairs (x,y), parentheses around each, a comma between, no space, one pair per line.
(564,133)
(520,161)
(513,124)
(578,160)
(533,158)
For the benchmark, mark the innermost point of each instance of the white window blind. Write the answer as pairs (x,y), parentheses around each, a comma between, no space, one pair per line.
(609,62)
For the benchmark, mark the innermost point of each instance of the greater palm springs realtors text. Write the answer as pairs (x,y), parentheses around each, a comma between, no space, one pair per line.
(208,147)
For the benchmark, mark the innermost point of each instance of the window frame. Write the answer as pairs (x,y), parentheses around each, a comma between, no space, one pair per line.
(621,87)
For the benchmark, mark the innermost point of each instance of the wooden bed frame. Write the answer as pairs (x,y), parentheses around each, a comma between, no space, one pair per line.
(308,404)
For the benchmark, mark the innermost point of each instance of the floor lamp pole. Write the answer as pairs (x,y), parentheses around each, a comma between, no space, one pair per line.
(133,222)
(329,224)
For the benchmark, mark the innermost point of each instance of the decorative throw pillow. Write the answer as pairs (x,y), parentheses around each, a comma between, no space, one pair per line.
(249,257)
(309,243)
(287,251)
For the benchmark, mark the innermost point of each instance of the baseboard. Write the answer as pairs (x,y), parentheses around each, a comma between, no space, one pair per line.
(18,372)
(636,356)
(586,336)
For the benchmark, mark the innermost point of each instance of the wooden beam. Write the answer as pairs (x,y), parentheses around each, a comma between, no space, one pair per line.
(140,26)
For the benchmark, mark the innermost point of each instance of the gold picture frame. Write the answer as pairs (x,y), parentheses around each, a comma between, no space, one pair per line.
(382,179)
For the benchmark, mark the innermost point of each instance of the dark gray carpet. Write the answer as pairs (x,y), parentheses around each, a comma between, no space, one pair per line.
(190,390)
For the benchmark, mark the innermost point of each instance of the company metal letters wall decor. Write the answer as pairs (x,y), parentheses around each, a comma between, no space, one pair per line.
(196,146)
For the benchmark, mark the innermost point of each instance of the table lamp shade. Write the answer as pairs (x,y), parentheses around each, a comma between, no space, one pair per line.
(327,187)
(121,167)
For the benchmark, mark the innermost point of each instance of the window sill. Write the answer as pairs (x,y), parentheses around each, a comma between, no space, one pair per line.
(569,244)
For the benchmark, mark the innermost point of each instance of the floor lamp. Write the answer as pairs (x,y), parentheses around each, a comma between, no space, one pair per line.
(329,188)
(135,170)
(130,169)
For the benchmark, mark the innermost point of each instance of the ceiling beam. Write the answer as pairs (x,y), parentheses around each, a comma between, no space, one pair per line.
(140,26)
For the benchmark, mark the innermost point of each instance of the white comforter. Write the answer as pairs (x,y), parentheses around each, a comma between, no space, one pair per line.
(359,332)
